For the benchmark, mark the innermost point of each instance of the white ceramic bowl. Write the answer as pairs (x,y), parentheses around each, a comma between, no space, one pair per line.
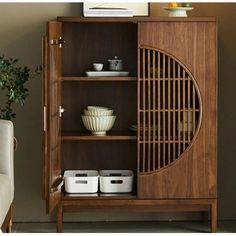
(97,66)
(98,112)
(97,108)
(98,125)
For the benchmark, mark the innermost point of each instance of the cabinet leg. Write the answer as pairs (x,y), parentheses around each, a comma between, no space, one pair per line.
(214,217)
(9,226)
(59,218)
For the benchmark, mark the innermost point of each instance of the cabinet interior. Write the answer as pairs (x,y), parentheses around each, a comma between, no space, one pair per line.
(88,43)
(92,42)
(119,96)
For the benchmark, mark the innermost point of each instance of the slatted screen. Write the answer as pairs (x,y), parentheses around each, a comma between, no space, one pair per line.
(169,109)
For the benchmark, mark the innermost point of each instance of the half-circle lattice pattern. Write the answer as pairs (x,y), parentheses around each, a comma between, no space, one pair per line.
(169,109)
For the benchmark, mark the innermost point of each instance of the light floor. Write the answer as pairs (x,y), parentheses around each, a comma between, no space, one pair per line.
(125,227)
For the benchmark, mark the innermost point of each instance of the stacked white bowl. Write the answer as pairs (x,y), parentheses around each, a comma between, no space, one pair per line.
(98,119)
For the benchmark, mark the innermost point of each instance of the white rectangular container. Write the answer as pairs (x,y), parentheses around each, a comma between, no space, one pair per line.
(81,181)
(116,181)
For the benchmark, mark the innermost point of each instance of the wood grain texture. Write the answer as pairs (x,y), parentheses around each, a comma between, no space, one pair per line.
(194,44)
(166,110)
(99,155)
(59,218)
(214,217)
(73,205)
(134,19)
(53,121)
(148,98)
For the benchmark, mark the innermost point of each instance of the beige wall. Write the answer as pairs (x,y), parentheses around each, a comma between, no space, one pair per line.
(21,29)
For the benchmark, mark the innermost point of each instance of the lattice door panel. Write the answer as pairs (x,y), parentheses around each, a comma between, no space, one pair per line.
(169,109)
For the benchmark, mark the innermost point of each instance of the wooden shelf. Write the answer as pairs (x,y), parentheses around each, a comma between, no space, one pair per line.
(93,196)
(134,19)
(77,136)
(100,78)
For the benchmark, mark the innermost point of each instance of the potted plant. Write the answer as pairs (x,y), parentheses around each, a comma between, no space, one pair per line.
(13,80)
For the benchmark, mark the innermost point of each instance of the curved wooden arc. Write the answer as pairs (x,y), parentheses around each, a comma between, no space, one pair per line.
(169,101)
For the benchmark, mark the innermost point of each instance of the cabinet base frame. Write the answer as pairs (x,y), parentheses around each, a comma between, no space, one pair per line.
(138,205)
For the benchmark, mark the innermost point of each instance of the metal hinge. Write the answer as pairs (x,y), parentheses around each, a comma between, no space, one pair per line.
(58,42)
(58,183)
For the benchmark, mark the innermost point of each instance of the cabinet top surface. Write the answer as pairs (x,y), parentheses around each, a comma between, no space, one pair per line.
(134,19)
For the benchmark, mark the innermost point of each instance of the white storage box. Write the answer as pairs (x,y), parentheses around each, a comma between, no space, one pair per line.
(81,181)
(116,181)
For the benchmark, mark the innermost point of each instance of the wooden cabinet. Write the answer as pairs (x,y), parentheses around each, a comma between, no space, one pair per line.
(171,94)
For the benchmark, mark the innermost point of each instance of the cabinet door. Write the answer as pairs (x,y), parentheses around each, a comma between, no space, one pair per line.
(177,110)
(51,116)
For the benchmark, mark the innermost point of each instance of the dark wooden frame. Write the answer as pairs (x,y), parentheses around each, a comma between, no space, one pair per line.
(146,199)
(134,205)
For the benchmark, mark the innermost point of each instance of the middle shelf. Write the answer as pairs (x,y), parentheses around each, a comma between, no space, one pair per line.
(114,135)
(100,78)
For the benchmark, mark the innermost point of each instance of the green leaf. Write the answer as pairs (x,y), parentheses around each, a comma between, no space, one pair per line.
(13,80)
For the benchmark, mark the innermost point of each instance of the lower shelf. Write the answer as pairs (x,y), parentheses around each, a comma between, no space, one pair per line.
(67,196)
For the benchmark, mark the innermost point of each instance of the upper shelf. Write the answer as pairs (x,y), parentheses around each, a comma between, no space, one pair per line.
(133,19)
(85,78)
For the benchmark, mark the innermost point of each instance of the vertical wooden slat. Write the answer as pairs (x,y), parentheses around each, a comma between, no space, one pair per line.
(159,107)
(163,110)
(149,112)
(154,109)
(138,110)
(174,122)
(184,101)
(189,111)
(179,107)
(144,108)
(169,124)
(167,98)
(194,111)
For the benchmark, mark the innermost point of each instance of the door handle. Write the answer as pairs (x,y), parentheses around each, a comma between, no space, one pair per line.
(61,110)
